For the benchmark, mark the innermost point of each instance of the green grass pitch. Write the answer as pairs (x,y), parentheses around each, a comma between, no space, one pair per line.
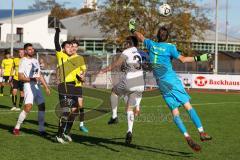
(155,135)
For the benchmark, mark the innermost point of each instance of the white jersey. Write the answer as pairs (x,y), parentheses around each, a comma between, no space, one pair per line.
(133,62)
(134,80)
(32,92)
(29,67)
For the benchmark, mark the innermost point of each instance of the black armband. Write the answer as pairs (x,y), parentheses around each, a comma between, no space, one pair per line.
(197,58)
(133,30)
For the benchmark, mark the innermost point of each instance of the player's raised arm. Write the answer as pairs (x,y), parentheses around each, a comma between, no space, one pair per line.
(114,64)
(132,28)
(56,39)
(201,58)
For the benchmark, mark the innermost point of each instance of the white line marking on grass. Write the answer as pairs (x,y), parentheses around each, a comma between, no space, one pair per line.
(50,111)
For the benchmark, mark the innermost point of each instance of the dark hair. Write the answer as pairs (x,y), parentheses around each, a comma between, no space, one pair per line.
(65,43)
(162,34)
(27,45)
(6,51)
(132,41)
(75,42)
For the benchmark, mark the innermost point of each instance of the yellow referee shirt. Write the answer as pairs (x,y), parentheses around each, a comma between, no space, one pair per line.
(81,67)
(73,65)
(7,65)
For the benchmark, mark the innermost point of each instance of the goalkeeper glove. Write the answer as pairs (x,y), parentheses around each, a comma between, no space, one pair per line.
(132,25)
(203,57)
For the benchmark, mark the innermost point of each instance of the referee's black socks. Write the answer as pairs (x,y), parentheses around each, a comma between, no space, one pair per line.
(14,100)
(81,114)
(21,102)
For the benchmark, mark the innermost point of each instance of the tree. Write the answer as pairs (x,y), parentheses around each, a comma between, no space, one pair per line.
(84,10)
(43,4)
(188,20)
(57,10)
(60,12)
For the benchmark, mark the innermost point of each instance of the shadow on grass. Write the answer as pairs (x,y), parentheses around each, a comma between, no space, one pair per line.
(3,106)
(47,125)
(47,136)
(104,142)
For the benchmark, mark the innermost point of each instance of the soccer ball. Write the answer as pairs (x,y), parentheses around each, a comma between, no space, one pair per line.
(165,10)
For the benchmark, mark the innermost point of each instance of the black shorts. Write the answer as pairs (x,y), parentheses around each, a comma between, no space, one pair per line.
(5,79)
(17,84)
(71,92)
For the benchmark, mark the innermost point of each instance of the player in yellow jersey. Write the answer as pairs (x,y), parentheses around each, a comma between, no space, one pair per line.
(66,88)
(17,85)
(7,64)
(80,77)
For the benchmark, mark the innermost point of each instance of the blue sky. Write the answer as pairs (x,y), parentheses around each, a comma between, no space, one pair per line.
(234,6)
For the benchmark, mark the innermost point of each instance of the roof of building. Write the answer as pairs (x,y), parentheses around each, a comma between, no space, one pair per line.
(7,13)
(20,15)
(209,36)
(82,27)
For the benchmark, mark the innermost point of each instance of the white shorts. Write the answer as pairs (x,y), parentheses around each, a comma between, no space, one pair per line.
(134,100)
(33,93)
(131,90)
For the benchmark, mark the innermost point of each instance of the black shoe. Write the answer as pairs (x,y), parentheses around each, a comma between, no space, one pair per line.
(113,121)
(128,138)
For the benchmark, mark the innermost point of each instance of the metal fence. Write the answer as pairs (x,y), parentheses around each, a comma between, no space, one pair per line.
(96,62)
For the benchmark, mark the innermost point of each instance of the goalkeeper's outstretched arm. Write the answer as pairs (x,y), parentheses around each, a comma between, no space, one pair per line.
(56,40)
(132,28)
(201,58)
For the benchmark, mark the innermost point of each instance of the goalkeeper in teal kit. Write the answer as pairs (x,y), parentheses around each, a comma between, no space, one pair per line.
(170,86)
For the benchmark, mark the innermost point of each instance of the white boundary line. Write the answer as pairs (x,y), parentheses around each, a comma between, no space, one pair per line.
(194,104)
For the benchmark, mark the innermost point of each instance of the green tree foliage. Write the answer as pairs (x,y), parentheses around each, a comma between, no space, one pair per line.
(187,20)
(84,10)
(43,4)
(58,10)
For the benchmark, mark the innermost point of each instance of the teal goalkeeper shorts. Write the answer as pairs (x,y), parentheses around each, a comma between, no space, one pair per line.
(176,96)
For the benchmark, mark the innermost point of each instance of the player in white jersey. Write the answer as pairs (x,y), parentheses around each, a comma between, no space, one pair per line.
(131,84)
(29,73)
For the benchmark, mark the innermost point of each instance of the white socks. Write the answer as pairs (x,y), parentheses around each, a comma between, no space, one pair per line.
(200,129)
(130,119)
(186,135)
(81,124)
(21,118)
(138,101)
(41,121)
(114,104)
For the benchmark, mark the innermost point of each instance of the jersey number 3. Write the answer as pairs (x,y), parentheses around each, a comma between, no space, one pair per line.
(137,58)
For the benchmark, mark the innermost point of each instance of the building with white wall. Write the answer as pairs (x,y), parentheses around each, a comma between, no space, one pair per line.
(30,26)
